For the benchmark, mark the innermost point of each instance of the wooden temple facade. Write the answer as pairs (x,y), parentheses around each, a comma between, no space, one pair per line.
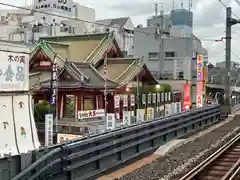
(80,77)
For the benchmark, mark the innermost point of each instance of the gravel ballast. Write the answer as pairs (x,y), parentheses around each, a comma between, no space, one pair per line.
(181,160)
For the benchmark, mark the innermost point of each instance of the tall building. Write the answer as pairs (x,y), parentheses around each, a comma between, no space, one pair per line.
(179,44)
(182,19)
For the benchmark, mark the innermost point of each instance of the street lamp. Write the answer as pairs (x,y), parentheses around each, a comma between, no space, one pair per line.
(158,87)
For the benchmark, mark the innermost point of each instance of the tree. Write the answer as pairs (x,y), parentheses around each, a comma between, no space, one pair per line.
(41,109)
(210,66)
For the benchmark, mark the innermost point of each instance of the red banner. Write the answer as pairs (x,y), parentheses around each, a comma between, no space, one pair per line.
(187,97)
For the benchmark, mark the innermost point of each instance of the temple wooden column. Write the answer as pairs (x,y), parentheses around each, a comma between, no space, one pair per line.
(79,99)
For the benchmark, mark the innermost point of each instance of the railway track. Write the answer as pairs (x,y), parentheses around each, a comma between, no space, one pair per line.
(224,164)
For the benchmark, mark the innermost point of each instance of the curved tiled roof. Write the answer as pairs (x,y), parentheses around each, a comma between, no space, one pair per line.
(48,51)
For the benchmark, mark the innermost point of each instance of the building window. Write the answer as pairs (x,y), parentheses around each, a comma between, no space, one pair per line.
(88,103)
(153,56)
(70,106)
(169,54)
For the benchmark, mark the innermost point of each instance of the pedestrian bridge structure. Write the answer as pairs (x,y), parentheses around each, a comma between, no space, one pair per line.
(219,86)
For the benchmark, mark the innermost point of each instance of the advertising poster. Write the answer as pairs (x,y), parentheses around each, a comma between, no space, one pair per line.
(187,97)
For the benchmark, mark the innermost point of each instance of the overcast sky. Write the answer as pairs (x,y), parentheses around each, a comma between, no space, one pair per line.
(209,18)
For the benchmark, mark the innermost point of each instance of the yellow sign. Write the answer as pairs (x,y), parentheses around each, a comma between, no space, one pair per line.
(150,114)
(67,137)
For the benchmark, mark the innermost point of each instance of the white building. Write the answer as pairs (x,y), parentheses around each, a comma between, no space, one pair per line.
(123,30)
(28,26)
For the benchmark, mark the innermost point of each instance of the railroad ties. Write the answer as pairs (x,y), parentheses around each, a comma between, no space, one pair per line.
(222,165)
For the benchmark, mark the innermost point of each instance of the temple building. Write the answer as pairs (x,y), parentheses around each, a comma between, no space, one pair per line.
(80,76)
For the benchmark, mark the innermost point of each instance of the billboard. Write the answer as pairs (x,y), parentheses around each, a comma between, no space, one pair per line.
(14,71)
(200,81)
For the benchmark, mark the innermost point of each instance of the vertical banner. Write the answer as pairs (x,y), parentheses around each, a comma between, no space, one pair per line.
(48,129)
(199,82)
(150,114)
(105,85)
(127,118)
(205,80)
(178,107)
(168,109)
(116,101)
(132,100)
(111,121)
(125,100)
(149,99)
(187,97)
(54,81)
(140,115)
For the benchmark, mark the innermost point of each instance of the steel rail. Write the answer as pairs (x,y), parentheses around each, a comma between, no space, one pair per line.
(235,174)
(199,168)
(231,174)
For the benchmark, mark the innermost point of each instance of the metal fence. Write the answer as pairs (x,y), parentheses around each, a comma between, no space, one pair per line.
(91,156)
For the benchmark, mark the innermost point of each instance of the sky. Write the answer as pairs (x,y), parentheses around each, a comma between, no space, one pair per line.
(209,19)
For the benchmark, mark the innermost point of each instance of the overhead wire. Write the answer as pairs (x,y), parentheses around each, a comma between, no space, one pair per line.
(104,25)
(238,2)
(95,23)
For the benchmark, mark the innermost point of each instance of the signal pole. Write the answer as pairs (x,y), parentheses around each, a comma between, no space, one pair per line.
(229,23)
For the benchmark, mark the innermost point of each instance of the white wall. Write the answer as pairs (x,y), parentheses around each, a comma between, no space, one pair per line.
(86,14)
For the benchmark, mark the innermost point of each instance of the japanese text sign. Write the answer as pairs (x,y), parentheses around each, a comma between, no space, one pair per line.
(14,71)
(200,67)
(91,113)
(48,129)
(199,83)
(54,82)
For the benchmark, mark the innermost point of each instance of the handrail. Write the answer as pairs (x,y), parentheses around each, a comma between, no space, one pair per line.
(35,164)
(162,126)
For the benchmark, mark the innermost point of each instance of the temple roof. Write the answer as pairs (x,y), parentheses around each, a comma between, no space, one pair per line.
(92,47)
(123,70)
(83,75)
(46,48)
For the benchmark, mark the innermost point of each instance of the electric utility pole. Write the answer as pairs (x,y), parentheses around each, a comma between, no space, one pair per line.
(159,34)
(229,23)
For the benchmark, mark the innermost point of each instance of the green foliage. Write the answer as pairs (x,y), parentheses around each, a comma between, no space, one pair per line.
(152,89)
(41,109)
